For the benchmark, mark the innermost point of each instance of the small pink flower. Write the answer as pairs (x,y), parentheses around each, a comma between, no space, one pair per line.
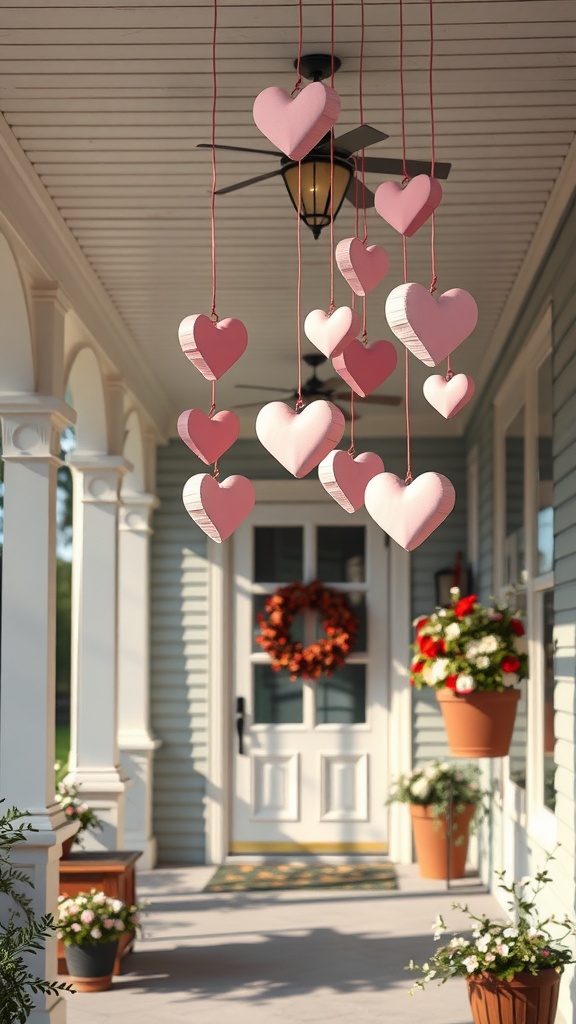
(108,922)
(119,926)
(96,933)
(76,927)
(87,916)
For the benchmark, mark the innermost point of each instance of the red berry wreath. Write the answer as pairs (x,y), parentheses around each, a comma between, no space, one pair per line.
(325,655)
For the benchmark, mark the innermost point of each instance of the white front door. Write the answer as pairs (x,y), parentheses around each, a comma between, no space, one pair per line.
(313,775)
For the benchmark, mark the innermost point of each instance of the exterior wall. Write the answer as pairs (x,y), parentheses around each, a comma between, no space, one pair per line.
(179,625)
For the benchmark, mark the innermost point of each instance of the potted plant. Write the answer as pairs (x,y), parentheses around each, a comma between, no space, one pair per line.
(512,968)
(470,655)
(444,800)
(75,809)
(22,934)
(90,925)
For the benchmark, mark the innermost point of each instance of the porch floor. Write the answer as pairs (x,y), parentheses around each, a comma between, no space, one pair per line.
(229,958)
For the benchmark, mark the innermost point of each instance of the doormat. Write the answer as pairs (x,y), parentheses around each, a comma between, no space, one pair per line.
(246,877)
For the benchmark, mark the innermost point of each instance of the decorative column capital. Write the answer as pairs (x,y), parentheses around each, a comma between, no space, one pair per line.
(136,513)
(31,427)
(99,476)
(52,294)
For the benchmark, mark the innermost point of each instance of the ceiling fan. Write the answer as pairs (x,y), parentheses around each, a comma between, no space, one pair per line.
(317,207)
(331,389)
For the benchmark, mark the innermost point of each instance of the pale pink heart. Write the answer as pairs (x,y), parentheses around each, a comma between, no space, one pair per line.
(346,478)
(363,268)
(296,124)
(448,396)
(213,348)
(431,328)
(208,437)
(407,209)
(218,508)
(332,332)
(365,369)
(409,513)
(299,441)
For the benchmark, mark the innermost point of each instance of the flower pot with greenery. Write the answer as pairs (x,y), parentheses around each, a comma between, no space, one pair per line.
(90,926)
(444,800)
(471,656)
(512,968)
(75,809)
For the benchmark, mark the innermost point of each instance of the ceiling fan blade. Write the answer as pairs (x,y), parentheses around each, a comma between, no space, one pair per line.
(372,399)
(259,387)
(330,384)
(240,149)
(359,138)
(248,181)
(389,165)
(358,193)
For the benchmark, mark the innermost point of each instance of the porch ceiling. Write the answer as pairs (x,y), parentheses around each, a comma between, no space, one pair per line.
(108,100)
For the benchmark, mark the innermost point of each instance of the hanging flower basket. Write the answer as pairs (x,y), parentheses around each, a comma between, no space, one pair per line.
(441,851)
(479,724)
(525,999)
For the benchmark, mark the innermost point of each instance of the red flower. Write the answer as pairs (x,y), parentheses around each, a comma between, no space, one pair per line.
(517,627)
(421,623)
(417,667)
(510,664)
(465,605)
(451,682)
(431,648)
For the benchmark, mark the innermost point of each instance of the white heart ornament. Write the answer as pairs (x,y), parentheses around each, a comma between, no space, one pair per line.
(299,441)
(296,124)
(345,478)
(332,332)
(218,508)
(448,396)
(362,267)
(409,513)
(431,328)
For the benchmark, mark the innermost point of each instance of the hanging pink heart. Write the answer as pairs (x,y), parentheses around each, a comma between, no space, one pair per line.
(332,332)
(213,348)
(448,396)
(218,508)
(365,369)
(296,124)
(363,268)
(299,441)
(407,208)
(431,328)
(346,478)
(208,437)
(409,513)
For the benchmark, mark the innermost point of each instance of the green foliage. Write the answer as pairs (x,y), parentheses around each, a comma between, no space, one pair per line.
(442,785)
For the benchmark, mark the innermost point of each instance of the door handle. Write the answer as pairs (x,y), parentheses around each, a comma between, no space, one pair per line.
(240,710)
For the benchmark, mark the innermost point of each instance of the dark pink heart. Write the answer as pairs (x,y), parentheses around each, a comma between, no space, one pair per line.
(208,437)
(213,348)
(365,369)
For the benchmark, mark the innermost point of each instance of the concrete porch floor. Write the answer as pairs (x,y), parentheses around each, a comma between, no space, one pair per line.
(261,958)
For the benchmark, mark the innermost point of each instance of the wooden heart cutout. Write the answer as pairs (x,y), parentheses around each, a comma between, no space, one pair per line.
(213,348)
(409,513)
(332,332)
(299,441)
(431,328)
(296,124)
(407,208)
(218,508)
(365,369)
(362,267)
(208,437)
(448,396)
(346,478)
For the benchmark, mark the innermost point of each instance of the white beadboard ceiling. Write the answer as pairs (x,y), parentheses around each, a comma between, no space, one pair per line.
(109,100)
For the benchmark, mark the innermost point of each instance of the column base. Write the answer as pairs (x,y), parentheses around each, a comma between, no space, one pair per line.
(136,757)
(55,1014)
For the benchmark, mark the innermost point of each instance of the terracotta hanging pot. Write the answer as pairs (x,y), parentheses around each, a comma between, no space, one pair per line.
(439,857)
(526,999)
(479,724)
(67,847)
(91,967)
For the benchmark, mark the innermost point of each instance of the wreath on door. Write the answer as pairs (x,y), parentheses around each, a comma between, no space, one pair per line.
(326,654)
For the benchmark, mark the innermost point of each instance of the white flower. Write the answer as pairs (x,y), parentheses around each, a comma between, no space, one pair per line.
(117,905)
(455,591)
(440,669)
(465,684)
(421,788)
(510,933)
(452,631)
(509,678)
(489,644)
(502,949)
(472,963)
(472,649)
(458,942)
(483,662)
(99,898)
(483,943)
(427,674)
(489,958)
(438,927)
(96,933)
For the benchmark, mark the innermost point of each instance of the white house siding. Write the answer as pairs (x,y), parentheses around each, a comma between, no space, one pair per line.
(179,626)
(553,284)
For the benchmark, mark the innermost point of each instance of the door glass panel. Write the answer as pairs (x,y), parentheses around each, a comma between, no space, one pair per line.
(277,701)
(296,629)
(514,477)
(357,602)
(278,554)
(545,530)
(549,737)
(341,698)
(341,554)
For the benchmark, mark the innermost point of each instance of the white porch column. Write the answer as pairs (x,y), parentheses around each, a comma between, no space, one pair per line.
(94,758)
(137,745)
(31,428)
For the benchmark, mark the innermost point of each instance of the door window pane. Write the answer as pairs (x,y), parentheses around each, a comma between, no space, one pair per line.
(278,554)
(341,554)
(277,701)
(514,477)
(549,738)
(545,529)
(341,698)
(357,602)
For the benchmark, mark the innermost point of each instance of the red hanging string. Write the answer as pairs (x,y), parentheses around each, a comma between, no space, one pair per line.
(361,111)
(299,57)
(352,450)
(299,400)
(332,72)
(433,146)
(212,409)
(408,477)
(214,315)
(405,175)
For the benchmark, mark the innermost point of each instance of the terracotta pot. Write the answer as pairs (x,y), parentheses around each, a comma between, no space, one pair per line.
(67,847)
(526,999)
(479,724)
(90,967)
(438,858)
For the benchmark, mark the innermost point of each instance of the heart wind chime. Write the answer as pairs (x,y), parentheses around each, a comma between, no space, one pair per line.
(429,328)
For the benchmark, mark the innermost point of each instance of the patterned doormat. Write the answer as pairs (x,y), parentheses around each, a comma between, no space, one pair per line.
(246,877)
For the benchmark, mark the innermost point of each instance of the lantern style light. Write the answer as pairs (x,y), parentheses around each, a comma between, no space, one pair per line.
(316,206)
